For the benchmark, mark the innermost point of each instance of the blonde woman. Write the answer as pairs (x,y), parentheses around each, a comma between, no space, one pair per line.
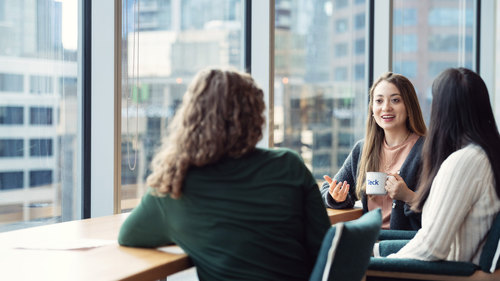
(392,144)
(238,211)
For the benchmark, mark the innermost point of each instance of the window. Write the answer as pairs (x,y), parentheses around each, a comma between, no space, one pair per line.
(435,67)
(40,115)
(11,115)
(449,43)
(323,141)
(40,178)
(405,17)
(359,46)
(405,43)
(341,25)
(325,90)
(320,160)
(11,82)
(445,16)
(359,72)
(39,82)
(359,21)
(41,85)
(339,4)
(11,180)
(442,37)
(192,36)
(11,148)
(341,74)
(68,86)
(345,139)
(40,147)
(407,68)
(341,50)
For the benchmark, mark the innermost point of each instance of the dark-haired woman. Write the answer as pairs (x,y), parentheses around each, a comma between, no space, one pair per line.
(460,188)
(240,212)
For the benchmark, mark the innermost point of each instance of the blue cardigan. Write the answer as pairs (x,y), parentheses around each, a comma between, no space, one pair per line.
(401,216)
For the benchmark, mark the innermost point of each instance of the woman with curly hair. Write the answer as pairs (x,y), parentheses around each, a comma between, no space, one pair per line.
(238,211)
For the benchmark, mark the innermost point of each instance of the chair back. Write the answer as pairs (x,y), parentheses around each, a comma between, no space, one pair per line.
(489,260)
(346,249)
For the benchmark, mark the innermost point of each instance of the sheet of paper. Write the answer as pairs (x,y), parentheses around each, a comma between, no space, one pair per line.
(171,249)
(79,244)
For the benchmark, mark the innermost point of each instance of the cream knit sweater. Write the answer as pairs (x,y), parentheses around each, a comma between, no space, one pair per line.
(459,210)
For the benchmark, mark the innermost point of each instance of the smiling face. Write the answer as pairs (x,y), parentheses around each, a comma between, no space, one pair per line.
(388,108)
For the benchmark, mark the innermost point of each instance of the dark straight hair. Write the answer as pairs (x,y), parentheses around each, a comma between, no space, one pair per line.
(460,114)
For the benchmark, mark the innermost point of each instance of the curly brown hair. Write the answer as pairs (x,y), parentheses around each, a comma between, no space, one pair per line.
(221,115)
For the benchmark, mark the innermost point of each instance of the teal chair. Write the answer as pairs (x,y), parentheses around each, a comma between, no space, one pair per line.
(410,269)
(346,249)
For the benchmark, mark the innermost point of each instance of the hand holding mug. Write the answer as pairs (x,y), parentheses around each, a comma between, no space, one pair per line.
(397,189)
(338,191)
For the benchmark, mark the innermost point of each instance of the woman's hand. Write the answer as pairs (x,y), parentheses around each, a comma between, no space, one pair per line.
(338,191)
(397,188)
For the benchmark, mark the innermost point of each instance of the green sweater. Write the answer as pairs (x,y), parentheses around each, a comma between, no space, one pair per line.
(259,217)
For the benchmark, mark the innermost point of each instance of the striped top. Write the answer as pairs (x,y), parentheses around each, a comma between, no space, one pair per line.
(459,211)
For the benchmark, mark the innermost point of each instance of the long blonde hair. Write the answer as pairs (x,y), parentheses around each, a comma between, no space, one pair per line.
(221,115)
(374,135)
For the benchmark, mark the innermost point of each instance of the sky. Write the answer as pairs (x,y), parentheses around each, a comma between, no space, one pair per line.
(69,23)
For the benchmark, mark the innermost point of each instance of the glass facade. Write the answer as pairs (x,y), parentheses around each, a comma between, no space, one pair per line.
(177,39)
(320,87)
(39,132)
(430,36)
(321,74)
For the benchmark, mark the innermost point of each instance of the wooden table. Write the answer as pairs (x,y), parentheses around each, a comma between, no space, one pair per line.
(109,262)
(338,215)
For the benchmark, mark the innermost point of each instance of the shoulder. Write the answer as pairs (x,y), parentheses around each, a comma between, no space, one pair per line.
(278,153)
(358,147)
(469,155)
(469,160)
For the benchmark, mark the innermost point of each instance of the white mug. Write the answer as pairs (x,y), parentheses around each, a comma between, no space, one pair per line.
(375,183)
